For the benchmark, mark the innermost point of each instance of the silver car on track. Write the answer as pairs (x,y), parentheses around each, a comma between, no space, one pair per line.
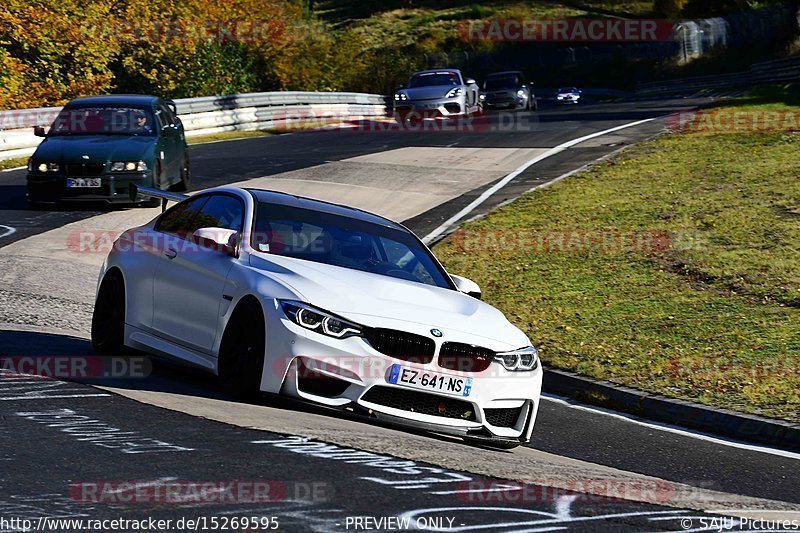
(440,92)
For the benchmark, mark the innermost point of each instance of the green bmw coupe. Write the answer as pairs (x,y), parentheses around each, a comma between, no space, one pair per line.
(98,146)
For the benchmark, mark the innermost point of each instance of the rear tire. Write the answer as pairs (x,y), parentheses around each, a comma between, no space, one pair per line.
(241,353)
(108,318)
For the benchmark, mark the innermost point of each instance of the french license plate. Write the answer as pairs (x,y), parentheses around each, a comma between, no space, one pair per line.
(83,183)
(430,381)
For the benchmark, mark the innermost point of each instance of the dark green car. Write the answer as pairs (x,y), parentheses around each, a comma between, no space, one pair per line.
(98,146)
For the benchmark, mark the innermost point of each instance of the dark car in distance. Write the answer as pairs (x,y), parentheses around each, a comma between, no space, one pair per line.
(508,90)
(97,146)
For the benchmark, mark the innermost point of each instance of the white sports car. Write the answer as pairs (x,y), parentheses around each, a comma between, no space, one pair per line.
(325,303)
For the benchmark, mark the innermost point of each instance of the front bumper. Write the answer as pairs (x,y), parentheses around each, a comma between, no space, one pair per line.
(443,107)
(351,374)
(505,102)
(45,188)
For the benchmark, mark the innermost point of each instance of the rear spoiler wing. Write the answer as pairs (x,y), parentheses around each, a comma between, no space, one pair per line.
(135,192)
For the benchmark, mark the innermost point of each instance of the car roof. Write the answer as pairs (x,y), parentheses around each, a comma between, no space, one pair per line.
(115,99)
(504,73)
(435,70)
(291,200)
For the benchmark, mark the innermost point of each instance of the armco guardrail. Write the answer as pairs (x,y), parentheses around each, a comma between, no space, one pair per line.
(774,71)
(213,114)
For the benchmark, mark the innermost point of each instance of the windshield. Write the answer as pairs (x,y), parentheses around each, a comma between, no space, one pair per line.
(433,79)
(567,90)
(510,81)
(103,120)
(345,242)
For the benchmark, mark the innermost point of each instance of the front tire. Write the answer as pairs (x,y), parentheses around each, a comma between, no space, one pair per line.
(108,318)
(154,202)
(186,175)
(241,353)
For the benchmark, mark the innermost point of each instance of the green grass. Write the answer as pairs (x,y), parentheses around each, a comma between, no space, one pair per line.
(226,136)
(13,162)
(432,25)
(713,318)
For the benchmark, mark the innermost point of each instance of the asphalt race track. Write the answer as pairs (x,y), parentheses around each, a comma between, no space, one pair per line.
(326,471)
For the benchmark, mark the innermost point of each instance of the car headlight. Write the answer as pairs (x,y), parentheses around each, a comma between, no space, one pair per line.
(482,97)
(45,167)
(522,360)
(128,166)
(400,97)
(454,92)
(310,317)
(520,93)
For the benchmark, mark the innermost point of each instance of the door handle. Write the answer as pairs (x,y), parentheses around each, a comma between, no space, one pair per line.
(171,254)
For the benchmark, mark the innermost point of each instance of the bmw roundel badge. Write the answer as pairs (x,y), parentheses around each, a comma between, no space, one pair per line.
(436,333)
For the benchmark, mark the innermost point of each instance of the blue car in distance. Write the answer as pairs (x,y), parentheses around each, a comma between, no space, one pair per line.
(97,146)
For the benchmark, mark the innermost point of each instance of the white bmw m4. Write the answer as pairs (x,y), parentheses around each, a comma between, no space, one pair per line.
(328,304)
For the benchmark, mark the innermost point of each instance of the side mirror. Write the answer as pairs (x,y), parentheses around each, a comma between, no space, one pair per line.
(225,241)
(467,286)
(172,106)
(470,81)
(39,131)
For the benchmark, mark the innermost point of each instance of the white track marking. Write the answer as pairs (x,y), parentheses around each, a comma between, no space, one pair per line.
(670,428)
(537,518)
(564,506)
(51,397)
(8,231)
(13,169)
(505,181)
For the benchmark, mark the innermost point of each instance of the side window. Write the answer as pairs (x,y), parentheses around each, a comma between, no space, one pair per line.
(162,120)
(221,211)
(181,220)
(166,113)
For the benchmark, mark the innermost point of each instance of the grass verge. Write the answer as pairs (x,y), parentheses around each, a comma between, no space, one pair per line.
(226,136)
(14,162)
(673,268)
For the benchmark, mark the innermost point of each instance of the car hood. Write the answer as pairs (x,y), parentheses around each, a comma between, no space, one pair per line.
(96,148)
(430,93)
(361,296)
